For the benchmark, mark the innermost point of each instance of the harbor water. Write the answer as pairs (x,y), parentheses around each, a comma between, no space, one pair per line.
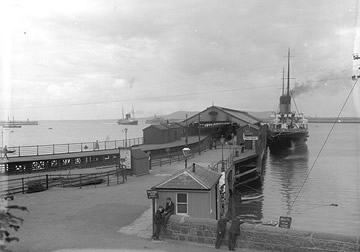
(317,186)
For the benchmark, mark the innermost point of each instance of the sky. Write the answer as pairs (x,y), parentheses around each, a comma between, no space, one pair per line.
(91,59)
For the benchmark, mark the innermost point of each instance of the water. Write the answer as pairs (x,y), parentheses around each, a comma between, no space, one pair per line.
(329,200)
(58,132)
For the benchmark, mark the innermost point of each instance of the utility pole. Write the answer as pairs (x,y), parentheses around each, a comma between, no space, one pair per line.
(199,136)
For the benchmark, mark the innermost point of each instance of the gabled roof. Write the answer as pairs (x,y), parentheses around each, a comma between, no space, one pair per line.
(164,126)
(201,179)
(215,114)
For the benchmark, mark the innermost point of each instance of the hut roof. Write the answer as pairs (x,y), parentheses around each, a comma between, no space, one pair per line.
(188,179)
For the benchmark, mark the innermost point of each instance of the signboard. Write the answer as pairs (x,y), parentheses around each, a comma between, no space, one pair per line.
(152,194)
(251,138)
(284,222)
(125,158)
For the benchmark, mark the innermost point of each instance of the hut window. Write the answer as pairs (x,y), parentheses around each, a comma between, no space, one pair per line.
(182,203)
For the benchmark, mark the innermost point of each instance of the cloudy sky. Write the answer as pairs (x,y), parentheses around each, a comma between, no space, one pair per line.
(88,59)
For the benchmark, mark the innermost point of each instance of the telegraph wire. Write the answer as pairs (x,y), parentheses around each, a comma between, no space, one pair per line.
(322,147)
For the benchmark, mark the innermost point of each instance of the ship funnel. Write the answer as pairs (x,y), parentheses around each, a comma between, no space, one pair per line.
(285,104)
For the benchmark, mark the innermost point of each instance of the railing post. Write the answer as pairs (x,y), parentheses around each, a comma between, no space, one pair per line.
(19,151)
(68,148)
(81,147)
(80,180)
(47,182)
(23,186)
(53,148)
(37,150)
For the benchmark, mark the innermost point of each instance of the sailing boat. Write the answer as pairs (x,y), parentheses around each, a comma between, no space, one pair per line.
(287,128)
(11,124)
(127,120)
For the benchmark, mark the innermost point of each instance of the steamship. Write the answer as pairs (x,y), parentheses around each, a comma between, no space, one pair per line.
(286,129)
(127,120)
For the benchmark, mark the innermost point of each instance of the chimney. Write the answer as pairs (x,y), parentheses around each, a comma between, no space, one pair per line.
(193,168)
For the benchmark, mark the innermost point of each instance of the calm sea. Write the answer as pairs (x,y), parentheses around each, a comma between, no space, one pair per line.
(328,175)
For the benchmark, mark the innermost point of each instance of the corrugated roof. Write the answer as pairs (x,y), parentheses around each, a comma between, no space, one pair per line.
(201,179)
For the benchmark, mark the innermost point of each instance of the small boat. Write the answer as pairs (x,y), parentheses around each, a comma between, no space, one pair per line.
(11,125)
(270,223)
(251,197)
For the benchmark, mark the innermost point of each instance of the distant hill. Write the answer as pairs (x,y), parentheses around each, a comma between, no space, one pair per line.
(180,115)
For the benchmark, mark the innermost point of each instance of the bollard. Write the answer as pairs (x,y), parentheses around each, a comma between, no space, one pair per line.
(23,187)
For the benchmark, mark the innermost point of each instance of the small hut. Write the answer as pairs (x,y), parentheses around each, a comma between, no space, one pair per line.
(195,192)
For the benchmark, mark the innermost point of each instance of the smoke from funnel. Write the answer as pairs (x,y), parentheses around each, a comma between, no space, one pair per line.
(302,88)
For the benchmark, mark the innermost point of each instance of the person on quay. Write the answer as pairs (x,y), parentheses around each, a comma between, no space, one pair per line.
(158,220)
(169,209)
(234,232)
(220,231)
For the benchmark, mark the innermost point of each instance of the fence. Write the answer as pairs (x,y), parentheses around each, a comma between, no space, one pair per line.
(226,163)
(45,181)
(176,154)
(35,150)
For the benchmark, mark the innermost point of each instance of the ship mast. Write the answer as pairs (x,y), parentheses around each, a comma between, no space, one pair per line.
(288,74)
(283,81)
(285,99)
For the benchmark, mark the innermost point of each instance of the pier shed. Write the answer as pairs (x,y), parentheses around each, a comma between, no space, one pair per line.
(162,133)
(218,121)
(195,192)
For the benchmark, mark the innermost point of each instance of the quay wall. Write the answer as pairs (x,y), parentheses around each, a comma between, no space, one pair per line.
(259,237)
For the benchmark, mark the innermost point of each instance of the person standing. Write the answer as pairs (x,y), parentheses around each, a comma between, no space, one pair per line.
(158,220)
(96,145)
(234,232)
(169,209)
(5,151)
(220,231)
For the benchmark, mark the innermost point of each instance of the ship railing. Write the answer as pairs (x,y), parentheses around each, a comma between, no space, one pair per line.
(52,149)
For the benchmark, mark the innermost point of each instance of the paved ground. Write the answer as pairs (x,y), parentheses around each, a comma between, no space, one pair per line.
(115,218)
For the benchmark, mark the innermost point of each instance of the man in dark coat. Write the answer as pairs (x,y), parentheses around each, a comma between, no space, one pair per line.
(234,232)
(220,231)
(169,209)
(159,221)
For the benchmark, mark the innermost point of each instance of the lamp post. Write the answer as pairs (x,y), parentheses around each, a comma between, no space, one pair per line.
(125,130)
(222,140)
(186,152)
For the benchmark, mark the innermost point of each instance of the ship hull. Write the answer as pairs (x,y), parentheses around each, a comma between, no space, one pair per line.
(125,122)
(278,140)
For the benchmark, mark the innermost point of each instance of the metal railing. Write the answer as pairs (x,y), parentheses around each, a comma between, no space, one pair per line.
(45,181)
(51,149)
